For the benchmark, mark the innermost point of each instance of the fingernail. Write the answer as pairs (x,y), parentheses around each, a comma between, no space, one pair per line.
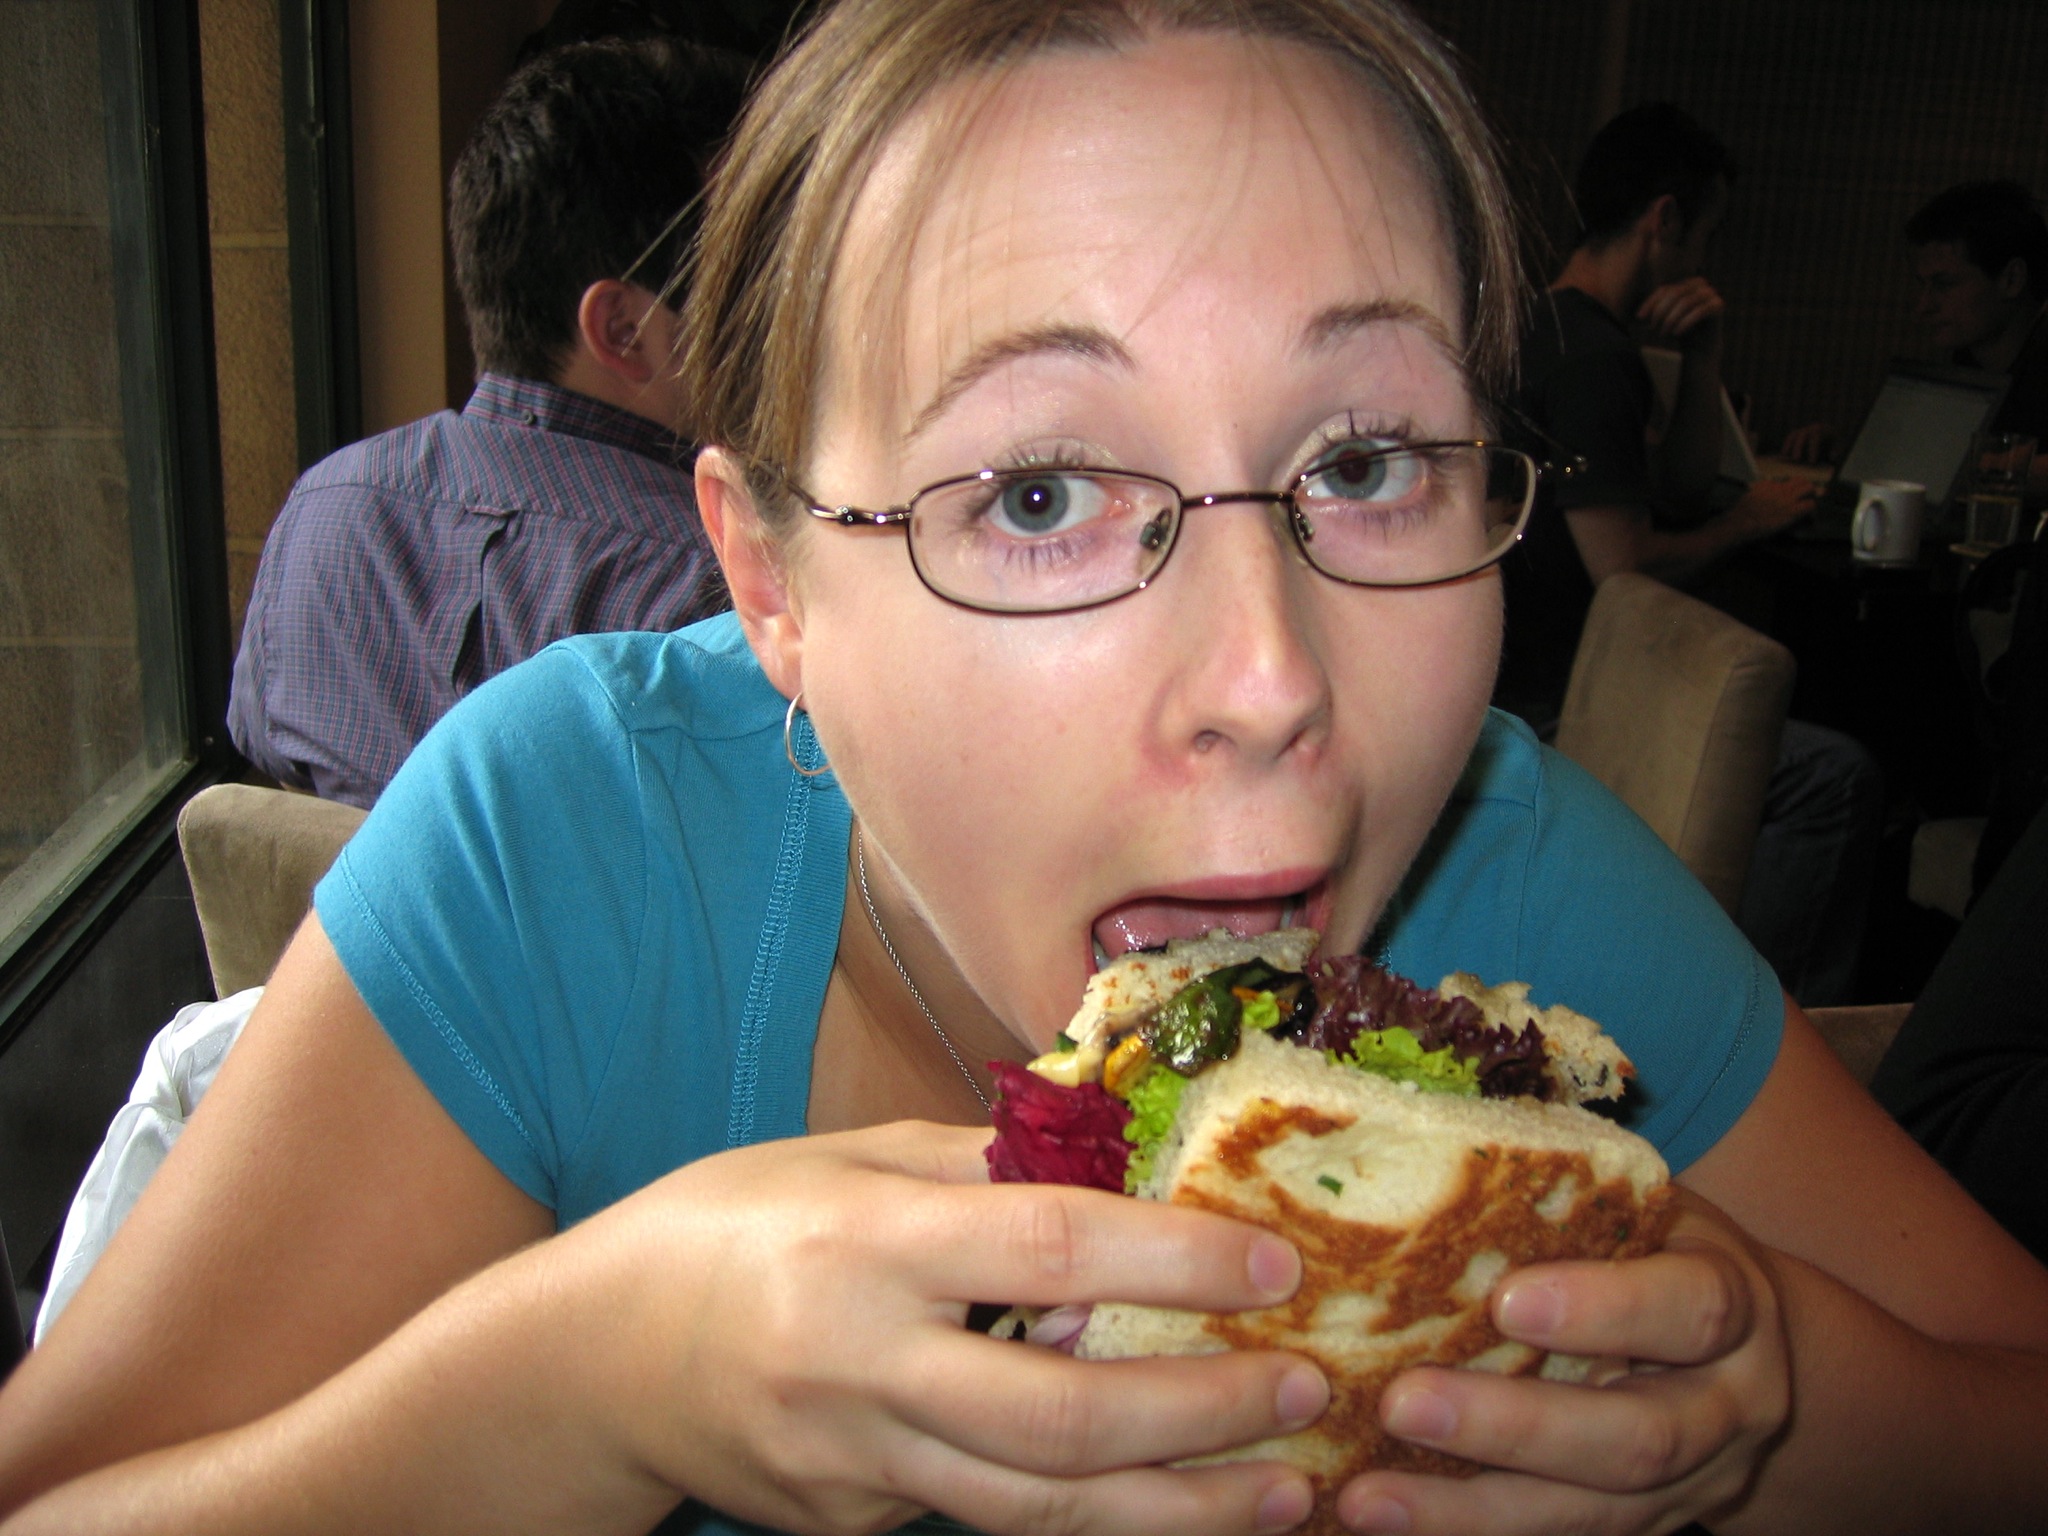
(1302,1397)
(1376,1515)
(1420,1414)
(1531,1311)
(1284,1506)
(1274,1266)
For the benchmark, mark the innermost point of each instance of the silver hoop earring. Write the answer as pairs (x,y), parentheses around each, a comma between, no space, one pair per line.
(789,746)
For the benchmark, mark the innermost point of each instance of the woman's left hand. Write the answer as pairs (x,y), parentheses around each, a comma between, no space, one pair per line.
(1678,1438)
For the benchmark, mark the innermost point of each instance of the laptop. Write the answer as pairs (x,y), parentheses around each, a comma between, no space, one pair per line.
(1921,426)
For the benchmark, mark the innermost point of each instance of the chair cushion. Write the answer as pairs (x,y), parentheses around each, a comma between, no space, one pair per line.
(253,857)
(1678,709)
(1860,1036)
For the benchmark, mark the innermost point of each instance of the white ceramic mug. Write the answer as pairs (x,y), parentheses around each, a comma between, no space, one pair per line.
(1887,526)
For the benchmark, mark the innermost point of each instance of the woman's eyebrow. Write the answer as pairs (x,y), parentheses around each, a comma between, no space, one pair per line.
(1340,321)
(1084,341)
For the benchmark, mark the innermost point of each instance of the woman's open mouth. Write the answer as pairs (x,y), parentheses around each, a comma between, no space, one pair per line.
(1238,905)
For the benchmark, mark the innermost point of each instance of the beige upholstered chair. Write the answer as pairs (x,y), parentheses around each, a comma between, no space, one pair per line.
(1677,708)
(1860,1035)
(253,856)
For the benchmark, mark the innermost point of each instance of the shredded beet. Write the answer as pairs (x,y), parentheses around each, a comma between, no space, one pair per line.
(1046,1134)
(1353,995)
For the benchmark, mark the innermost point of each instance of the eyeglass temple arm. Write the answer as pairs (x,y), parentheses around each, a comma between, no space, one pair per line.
(1564,464)
(851,516)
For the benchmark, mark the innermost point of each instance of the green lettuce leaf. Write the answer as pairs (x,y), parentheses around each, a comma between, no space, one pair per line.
(1396,1053)
(1154,1101)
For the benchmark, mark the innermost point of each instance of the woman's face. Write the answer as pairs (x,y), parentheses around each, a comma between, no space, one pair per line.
(1213,262)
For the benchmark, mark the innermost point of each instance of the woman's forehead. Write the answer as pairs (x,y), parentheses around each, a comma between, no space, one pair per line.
(1196,192)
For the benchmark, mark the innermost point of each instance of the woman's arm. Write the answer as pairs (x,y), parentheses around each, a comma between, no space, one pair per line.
(1816,1170)
(775,1330)
(319,1198)
(1918,1328)
(1869,1353)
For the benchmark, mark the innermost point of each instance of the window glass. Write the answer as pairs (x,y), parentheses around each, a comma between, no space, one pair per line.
(92,727)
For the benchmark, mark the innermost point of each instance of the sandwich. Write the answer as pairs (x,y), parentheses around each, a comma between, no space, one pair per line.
(1414,1146)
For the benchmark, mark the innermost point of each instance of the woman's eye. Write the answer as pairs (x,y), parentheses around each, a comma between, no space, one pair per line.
(1358,472)
(1035,505)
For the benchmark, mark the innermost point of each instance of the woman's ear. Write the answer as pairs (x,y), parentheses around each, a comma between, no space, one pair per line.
(756,570)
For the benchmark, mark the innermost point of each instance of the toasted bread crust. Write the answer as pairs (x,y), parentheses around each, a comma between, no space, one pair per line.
(1461,1203)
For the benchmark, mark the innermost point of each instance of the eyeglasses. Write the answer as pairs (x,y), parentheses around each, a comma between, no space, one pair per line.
(1055,539)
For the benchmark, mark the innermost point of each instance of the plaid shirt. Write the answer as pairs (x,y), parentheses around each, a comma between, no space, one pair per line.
(408,568)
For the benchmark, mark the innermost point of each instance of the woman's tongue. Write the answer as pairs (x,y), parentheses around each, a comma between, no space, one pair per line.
(1149,922)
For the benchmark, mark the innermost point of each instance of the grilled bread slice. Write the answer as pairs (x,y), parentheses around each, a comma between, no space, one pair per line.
(1406,1207)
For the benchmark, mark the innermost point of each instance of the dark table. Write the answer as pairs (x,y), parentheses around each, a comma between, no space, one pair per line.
(1877,658)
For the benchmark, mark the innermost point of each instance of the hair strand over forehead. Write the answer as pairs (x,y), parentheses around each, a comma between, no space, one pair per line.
(781,197)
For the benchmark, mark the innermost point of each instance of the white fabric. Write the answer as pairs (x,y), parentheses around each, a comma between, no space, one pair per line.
(178,1067)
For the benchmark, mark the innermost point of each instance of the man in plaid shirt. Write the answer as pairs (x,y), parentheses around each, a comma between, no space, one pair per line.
(406,569)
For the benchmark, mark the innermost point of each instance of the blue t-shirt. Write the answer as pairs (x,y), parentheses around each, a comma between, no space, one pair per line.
(597,911)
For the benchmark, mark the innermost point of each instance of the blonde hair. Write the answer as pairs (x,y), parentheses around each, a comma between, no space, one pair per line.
(755,319)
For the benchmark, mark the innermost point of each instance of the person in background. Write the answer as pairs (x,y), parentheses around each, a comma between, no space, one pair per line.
(748,28)
(1967,1075)
(1980,273)
(407,569)
(1651,191)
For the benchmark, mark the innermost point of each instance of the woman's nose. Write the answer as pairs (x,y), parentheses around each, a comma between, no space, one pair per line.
(1249,678)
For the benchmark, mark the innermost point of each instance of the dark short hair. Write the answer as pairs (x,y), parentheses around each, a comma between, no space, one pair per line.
(1652,151)
(589,166)
(1993,221)
(749,27)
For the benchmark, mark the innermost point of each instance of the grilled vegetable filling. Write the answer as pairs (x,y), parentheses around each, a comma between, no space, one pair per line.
(1078,1102)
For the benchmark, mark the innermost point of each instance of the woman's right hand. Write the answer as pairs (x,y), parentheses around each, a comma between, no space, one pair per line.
(781,1335)
(330,1313)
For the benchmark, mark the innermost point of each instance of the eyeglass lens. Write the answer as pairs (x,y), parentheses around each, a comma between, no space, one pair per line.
(1039,540)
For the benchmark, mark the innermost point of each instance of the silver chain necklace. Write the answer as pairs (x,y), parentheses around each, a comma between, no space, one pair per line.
(860,864)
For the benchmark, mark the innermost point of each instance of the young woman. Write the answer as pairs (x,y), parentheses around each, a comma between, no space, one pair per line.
(500,1217)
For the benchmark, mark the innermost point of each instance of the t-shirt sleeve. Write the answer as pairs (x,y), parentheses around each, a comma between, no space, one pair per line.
(1617,928)
(1597,405)
(1562,886)
(489,911)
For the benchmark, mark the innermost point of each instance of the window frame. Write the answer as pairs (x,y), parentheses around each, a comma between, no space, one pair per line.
(319,182)
(163,282)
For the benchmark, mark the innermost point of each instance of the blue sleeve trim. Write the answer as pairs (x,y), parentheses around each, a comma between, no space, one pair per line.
(789,863)
(631,994)
(1526,878)
(442,1026)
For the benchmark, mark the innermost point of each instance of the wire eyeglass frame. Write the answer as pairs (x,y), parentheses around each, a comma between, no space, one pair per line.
(1299,526)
